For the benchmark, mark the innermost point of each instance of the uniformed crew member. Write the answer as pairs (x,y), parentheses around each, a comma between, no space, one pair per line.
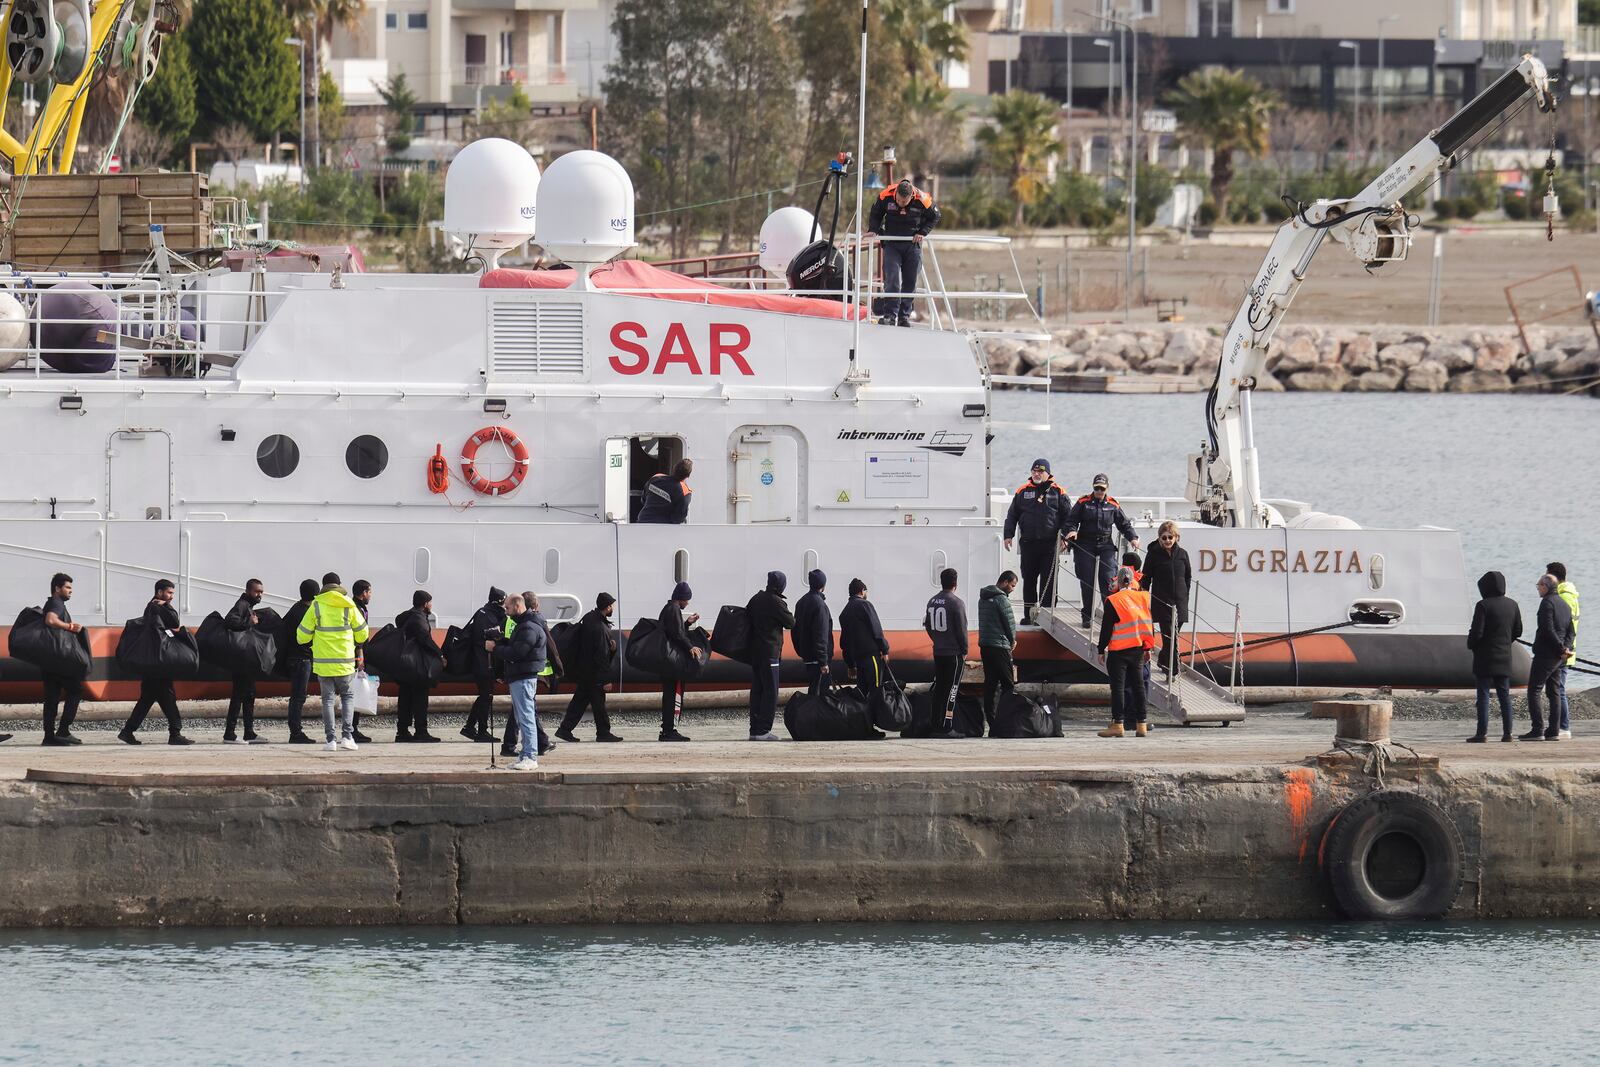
(1038,513)
(666,496)
(901,211)
(1089,526)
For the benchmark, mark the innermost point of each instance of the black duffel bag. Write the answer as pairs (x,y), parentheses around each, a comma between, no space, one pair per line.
(840,714)
(457,653)
(891,705)
(649,651)
(730,637)
(390,654)
(54,652)
(926,721)
(1016,715)
(251,653)
(148,651)
(564,635)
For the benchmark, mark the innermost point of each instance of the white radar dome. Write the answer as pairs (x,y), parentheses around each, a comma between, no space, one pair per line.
(585,208)
(786,231)
(1321,520)
(490,195)
(13,330)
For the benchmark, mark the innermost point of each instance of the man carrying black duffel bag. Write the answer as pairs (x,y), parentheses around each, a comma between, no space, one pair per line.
(159,613)
(240,618)
(593,653)
(675,629)
(769,617)
(60,691)
(416,630)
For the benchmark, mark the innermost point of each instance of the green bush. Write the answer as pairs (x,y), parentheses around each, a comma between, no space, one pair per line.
(1275,210)
(1444,208)
(1207,214)
(1468,207)
(1518,207)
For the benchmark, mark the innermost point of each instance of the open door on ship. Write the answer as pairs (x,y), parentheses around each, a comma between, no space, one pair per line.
(631,462)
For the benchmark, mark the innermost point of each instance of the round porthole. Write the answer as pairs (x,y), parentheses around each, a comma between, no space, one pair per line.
(366,457)
(277,456)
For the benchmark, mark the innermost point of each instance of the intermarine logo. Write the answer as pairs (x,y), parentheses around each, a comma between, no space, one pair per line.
(941,441)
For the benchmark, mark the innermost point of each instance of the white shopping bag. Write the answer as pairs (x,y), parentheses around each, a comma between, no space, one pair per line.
(364,693)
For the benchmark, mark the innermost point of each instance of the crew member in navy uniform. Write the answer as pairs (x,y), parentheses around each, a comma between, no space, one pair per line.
(57,617)
(1038,512)
(666,496)
(902,211)
(157,691)
(1089,526)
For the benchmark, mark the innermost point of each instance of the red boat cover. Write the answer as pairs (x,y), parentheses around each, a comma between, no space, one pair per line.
(627,274)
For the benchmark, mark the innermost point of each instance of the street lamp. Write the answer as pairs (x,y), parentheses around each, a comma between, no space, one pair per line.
(1382,19)
(300,152)
(1133,166)
(1102,42)
(1355,88)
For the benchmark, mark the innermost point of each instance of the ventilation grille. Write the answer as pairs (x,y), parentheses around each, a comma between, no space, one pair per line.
(535,339)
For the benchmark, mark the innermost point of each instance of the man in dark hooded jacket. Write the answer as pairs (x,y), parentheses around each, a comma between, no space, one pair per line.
(861,639)
(1553,639)
(242,697)
(812,635)
(593,653)
(675,630)
(769,617)
(411,722)
(488,623)
(1496,625)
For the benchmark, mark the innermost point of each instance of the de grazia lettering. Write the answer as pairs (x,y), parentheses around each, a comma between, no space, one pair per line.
(1280,561)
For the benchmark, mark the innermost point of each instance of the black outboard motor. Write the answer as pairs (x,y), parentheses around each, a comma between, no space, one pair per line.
(820,266)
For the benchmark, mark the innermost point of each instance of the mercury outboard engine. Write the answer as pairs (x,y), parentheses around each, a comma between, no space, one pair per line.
(820,266)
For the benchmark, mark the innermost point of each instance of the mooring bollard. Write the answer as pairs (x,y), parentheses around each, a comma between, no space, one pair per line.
(1357,720)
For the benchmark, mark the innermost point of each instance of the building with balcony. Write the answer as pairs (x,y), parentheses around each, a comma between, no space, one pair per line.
(458,54)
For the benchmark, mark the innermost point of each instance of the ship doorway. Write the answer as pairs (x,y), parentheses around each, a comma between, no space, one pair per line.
(139,475)
(769,475)
(630,463)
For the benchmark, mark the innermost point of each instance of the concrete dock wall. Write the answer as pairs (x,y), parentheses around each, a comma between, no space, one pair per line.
(1231,844)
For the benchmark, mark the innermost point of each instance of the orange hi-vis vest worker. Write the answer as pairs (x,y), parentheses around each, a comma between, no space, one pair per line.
(1134,628)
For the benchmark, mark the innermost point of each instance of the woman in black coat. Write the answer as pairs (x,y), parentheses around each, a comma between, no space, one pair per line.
(1496,625)
(1166,577)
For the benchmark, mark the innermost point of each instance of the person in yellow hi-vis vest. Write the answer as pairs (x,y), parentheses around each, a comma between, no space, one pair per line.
(334,628)
(1127,635)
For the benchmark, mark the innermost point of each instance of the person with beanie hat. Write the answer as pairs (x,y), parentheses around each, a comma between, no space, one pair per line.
(411,722)
(488,623)
(861,639)
(593,653)
(1037,514)
(769,617)
(296,659)
(675,628)
(812,636)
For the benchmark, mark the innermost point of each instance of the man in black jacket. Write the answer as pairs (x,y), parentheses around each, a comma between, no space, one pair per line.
(769,617)
(523,656)
(241,618)
(675,630)
(487,624)
(1091,526)
(157,691)
(861,639)
(1037,514)
(945,622)
(907,213)
(296,659)
(812,635)
(667,496)
(416,628)
(593,653)
(1496,625)
(552,670)
(58,689)
(361,593)
(1553,639)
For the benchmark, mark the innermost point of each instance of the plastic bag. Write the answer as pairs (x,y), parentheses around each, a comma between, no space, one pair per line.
(54,652)
(147,651)
(832,715)
(891,705)
(364,693)
(1016,715)
(730,636)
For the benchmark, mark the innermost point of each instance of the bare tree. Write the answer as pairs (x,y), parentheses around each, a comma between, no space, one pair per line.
(235,140)
(144,145)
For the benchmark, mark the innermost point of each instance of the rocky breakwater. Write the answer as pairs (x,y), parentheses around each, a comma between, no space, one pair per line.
(1311,358)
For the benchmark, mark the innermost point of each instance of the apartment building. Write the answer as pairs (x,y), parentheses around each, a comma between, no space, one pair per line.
(459,54)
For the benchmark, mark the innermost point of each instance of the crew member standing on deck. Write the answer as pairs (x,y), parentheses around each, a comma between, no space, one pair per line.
(861,639)
(1038,514)
(157,691)
(487,623)
(769,617)
(242,699)
(361,593)
(60,692)
(1090,526)
(908,215)
(675,629)
(666,496)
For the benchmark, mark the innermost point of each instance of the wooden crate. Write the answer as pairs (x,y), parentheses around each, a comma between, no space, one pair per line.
(102,221)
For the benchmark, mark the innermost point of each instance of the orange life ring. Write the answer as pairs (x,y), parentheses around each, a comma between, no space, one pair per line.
(519,461)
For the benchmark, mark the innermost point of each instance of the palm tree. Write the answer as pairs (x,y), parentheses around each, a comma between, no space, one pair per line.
(1023,138)
(925,37)
(1227,112)
(322,16)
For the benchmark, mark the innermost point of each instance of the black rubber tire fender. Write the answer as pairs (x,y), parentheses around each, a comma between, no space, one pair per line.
(1425,833)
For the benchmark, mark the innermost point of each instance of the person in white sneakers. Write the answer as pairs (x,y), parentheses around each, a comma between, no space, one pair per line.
(334,628)
(524,657)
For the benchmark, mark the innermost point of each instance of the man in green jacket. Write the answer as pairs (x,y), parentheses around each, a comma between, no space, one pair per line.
(334,627)
(1568,592)
(997,636)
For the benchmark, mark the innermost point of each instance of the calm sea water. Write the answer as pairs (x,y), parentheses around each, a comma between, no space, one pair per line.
(1513,474)
(857,994)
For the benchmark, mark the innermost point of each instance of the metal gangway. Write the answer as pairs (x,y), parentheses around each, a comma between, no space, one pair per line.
(1190,694)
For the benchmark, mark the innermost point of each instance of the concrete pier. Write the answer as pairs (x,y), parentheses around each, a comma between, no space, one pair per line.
(1201,823)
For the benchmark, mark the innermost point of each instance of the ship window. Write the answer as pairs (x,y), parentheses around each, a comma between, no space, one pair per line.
(366,457)
(680,565)
(277,456)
